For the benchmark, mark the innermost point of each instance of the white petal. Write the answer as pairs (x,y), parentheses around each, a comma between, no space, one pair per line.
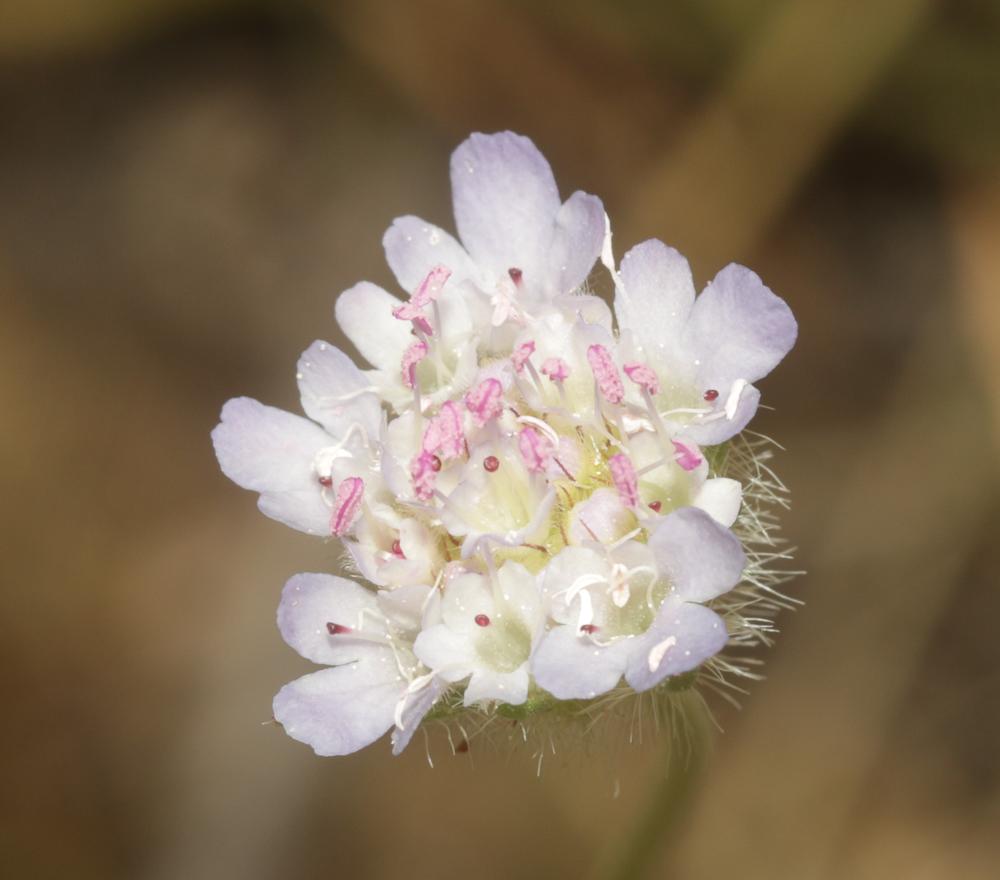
(333,392)
(310,601)
(505,203)
(264,448)
(720,498)
(702,559)
(719,430)
(450,654)
(507,687)
(340,710)
(602,517)
(417,705)
(681,638)
(364,313)
(572,667)
(738,329)
(413,247)
(576,242)
(657,296)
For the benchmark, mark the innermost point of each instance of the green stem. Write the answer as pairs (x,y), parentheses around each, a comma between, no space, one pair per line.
(658,824)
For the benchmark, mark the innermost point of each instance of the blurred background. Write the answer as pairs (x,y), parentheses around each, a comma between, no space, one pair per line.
(186,185)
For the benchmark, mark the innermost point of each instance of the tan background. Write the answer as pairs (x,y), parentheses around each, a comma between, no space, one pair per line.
(184,189)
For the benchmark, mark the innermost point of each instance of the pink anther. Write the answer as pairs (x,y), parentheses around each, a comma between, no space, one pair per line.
(609,382)
(424,474)
(556,369)
(521,354)
(444,432)
(624,478)
(536,449)
(485,401)
(427,291)
(347,505)
(687,455)
(643,376)
(411,357)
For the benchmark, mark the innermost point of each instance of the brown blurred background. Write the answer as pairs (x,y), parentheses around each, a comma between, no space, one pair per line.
(184,189)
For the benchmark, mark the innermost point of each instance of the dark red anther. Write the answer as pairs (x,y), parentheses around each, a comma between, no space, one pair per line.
(397,549)
(435,463)
(336,629)
(589,628)
(655,506)
(326,481)
(711,395)
(463,746)
(482,620)
(515,275)
(491,463)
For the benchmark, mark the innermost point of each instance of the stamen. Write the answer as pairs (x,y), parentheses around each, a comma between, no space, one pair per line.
(733,401)
(656,506)
(397,549)
(556,369)
(336,629)
(491,463)
(482,620)
(423,473)
(485,401)
(411,357)
(444,432)
(521,354)
(625,480)
(711,395)
(589,628)
(643,376)
(535,449)
(347,505)
(687,455)
(515,274)
(658,650)
(427,291)
(609,382)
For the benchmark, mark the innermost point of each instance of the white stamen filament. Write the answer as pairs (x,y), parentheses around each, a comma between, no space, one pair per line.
(658,650)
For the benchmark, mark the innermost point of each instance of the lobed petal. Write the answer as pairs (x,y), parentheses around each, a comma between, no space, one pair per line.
(506,200)
(340,710)
(693,632)
(702,559)
(310,601)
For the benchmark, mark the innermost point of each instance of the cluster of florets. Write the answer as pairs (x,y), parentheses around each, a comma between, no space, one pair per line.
(526,480)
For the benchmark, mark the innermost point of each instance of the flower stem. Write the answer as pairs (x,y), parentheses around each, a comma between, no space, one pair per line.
(658,823)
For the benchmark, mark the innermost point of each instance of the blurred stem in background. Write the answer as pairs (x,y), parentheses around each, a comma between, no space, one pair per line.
(672,794)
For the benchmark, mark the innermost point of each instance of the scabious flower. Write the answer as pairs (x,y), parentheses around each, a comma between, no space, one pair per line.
(551,503)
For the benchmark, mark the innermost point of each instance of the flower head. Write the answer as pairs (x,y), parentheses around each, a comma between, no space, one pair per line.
(549,501)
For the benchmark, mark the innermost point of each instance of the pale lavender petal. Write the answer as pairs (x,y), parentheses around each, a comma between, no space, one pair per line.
(264,448)
(681,638)
(333,393)
(340,710)
(416,707)
(576,242)
(364,313)
(303,510)
(702,559)
(450,654)
(413,247)
(311,601)
(572,667)
(738,329)
(505,203)
(506,687)
(719,430)
(657,297)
